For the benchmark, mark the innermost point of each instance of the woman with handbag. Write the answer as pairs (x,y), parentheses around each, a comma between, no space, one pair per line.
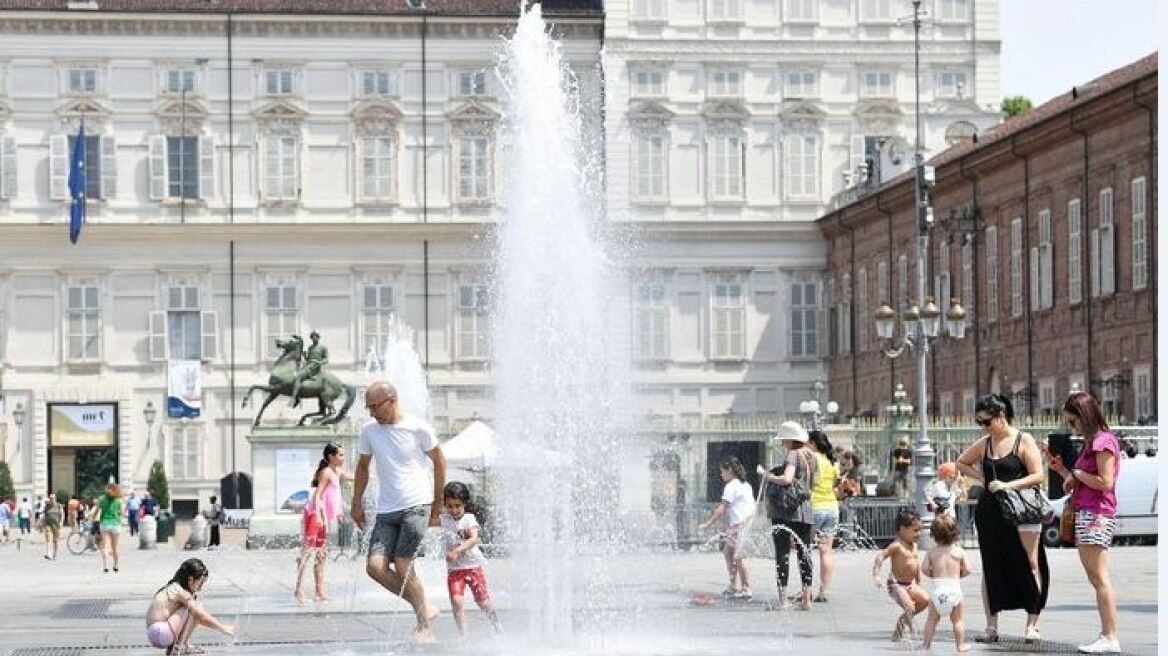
(1091,485)
(1008,517)
(789,498)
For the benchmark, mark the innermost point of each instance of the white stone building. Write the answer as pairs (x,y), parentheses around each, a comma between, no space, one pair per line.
(265,174)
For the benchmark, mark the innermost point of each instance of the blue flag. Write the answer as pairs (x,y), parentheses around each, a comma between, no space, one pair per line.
(77,185)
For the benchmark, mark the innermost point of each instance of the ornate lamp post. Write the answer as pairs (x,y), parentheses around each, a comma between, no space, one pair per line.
(149,413)
(18,415)
(810,409)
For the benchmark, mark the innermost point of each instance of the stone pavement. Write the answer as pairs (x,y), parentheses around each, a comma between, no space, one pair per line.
(69,607)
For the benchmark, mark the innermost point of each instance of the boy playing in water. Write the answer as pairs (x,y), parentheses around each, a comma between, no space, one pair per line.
(946,564)
(904,572)
(174,612)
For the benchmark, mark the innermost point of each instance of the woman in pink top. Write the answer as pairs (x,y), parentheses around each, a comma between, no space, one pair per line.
(324,507)
(1092,486)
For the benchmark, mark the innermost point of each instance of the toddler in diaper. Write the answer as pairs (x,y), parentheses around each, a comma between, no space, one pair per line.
(946,563)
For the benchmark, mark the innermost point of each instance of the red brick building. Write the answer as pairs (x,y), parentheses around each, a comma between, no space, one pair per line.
(1045,231)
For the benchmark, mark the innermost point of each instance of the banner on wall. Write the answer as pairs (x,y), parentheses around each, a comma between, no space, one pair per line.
(86,426)
(184,389)
(294,469)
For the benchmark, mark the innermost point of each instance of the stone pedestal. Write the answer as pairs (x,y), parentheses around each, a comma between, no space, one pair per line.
(283,460)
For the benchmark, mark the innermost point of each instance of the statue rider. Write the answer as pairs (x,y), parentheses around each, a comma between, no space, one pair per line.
(316,356)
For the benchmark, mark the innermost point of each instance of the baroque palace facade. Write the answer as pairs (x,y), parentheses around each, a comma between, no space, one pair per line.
(260,169)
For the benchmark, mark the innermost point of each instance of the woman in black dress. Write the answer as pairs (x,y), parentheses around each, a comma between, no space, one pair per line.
(1015,572)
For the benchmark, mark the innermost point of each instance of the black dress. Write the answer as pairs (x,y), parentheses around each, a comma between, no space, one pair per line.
(1005,566)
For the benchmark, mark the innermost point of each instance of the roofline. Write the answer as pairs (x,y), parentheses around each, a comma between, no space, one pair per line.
(189,15)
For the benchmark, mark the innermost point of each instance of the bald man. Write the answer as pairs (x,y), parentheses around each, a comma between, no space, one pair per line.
(407,503)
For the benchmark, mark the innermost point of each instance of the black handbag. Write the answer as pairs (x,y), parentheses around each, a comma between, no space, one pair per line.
(1019,507)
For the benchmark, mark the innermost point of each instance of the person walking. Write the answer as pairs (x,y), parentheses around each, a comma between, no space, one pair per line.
(1091,485)
(825,507)
(5,519)
(901,461)
(1015,572)
(52,526)
(325,507)
(24,516)
(408,502)
(133,506)
(109,518)
(214,519)
(790,506)
(149,505)
(72,511)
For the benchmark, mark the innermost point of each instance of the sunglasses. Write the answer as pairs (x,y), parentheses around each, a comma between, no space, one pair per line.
(392,399)
(984,421)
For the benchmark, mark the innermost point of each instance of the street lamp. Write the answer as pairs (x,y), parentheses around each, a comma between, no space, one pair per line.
(18,418)
(149,413)
(812,410)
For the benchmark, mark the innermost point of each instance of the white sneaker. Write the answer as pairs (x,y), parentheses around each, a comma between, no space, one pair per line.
(1103,645)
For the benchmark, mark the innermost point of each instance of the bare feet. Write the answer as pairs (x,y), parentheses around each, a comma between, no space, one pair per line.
(963,647)
(321,597)
(422,636)
(300,601)
(431,612)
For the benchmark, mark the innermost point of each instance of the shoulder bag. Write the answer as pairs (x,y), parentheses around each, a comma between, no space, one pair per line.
(789,497)
(1019,507)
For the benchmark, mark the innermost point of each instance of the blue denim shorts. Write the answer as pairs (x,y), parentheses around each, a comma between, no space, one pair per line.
(399,534)
(825,521)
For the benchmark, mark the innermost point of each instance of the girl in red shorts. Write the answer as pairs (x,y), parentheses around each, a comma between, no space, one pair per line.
(326,506)
(464,559)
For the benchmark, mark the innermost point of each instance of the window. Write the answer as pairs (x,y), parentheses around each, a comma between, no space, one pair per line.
(952,84)
(283,316)
(181,167)
(1074,252)
(82,80)
(474,171)
(1103,245)
(1016,268)
(1042,265)
(862,310)
(472,83)
(180,80)
(376,83)
(879,11)
(726,166)
(1143,393)
(802,166)
(83,329)
(182,160)
(185,442)
(473,322)
(652,321)
(725,83)
(1046,398)
(967,281)
(799,11)
(729,319)
(845,316)
(93,162)
(1139,256)
(991,273)
(883,284)
(7,167)
(804,319)
(649,167)
(278,82)
(902,292)
(649,83)
(183,323)
(943,291)
(725,10)
(377,168)
(649,10)
(280,170)
(876,84)
(376,313)
(955,11)
(801,84)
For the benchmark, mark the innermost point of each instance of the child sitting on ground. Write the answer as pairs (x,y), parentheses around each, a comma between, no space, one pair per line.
(174,611)
(904,573)
(946,564)
(464,558)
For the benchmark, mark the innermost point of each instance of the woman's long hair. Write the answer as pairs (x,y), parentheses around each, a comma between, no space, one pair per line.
(1084,406)
(822,444)
(192,568)
(331,449)
(995,405)
(735,467)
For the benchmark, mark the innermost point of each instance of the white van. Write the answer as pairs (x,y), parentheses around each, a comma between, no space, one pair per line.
(1136,494)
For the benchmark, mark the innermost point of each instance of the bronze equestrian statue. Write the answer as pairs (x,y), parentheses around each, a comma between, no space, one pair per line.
(288,378)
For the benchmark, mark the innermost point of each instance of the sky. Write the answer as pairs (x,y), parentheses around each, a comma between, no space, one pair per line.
(1049,46)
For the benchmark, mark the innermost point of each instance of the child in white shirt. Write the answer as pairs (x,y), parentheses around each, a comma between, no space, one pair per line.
(464,558)
(738,507)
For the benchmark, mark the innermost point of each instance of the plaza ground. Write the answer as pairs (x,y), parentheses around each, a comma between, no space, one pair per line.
(69,607)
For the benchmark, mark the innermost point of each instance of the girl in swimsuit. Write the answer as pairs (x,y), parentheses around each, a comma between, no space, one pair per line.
(175,612)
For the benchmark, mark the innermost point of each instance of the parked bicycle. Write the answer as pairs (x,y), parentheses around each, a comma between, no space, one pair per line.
(81,539)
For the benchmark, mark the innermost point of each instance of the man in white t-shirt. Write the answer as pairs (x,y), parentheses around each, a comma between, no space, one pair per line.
(408,500)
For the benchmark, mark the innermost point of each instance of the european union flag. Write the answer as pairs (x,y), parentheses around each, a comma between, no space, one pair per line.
(77,186)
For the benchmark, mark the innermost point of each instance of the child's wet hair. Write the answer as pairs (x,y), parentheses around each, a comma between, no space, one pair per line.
(944,530)
(457,490)
(192,568)
(734,466)
(906,518)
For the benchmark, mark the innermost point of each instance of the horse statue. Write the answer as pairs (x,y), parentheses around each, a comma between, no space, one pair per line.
(324,387)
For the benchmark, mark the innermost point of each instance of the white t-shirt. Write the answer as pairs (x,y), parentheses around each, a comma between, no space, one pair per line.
(455,533)
(404,478)
(24,510)
(741,499)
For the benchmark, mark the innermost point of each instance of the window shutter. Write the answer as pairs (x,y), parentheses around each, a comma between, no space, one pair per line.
(157,336)
(109,167)
(1107,259)
(209,326)
(158,167)
(206,167)
(7,167)
(822,332)
(1093,262)
(1047,263)
(58,167)
(359,169)
(1034,282)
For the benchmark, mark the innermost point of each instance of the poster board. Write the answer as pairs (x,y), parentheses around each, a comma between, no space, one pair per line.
(294,469)
(83,425)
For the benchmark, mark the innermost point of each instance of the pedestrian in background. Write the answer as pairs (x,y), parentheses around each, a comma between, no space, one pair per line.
(51,524)
(109,515)
(825,508)
(790,507)
(149,505)
(133,507)
(72,511)
(1091,485)
(24,516)
(901,461)
(5,518)
(214,519)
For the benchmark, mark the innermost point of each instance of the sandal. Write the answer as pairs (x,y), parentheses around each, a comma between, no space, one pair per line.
(820,598)
(730,592)
(990,637)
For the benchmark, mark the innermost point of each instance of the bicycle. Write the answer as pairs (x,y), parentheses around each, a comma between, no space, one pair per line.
(81,538)
(353,546)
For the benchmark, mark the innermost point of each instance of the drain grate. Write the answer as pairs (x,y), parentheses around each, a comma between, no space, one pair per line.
(83,609)
(48,651)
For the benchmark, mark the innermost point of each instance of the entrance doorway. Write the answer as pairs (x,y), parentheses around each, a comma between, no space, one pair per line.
(84,472)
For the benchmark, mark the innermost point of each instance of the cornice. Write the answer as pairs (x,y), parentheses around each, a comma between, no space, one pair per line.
(745,50)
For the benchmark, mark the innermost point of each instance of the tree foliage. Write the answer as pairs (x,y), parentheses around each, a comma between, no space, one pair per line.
(158,486)
(1016,106)
(7,489)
